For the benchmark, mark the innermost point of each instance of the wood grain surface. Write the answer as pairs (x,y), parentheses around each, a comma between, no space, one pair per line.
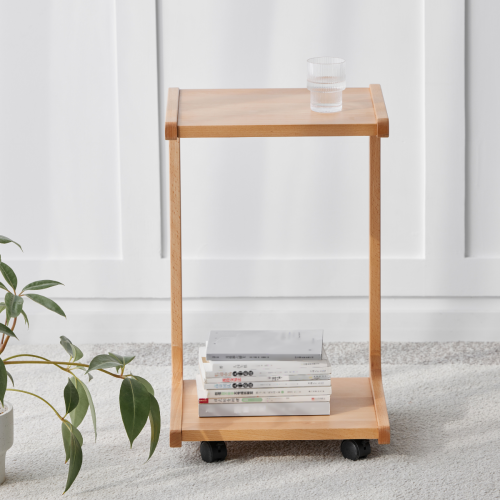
(271,113)
(384,429)
(380,110)
(374,301)
(172,113)
(375,295)
(176,293)
(352,416)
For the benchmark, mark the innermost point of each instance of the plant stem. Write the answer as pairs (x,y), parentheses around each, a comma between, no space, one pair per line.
(7,360)
(51,363)
(6,323)
(39,357)
(31,394)
(20,355)
(4,344)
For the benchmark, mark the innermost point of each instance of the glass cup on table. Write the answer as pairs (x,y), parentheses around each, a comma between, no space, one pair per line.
(326,80)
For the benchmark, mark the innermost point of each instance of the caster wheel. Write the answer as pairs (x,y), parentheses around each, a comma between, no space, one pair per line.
(354,449)
(213,451)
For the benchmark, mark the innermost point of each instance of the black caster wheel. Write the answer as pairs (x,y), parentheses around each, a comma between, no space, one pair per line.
(213,451)
(354,449)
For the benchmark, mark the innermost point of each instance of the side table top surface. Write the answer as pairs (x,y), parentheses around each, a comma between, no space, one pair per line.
(272,113)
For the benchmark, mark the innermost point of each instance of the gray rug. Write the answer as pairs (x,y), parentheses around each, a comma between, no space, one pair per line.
(444,408)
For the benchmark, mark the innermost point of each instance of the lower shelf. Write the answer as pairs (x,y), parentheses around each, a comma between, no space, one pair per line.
(352,416)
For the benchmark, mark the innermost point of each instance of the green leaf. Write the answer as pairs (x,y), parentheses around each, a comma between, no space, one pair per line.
(71,348)
(82,368)
(67,429)
(4,240)
(45,302)
(91,405)
(101,362)
(7,330)
(155,421)
(14,304)
(11,379)
(78,353)
(25,318)
(154,414)
(75,461)
(123,360)
(40,285)
(66,435)
(3,381)
(2,307)
(67,344)
(134,407)
(78,414)
(71,397)
(146,384)
(73,442)
(9,275)
(3,286)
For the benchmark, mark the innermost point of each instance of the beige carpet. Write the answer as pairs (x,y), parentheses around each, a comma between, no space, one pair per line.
(444,408)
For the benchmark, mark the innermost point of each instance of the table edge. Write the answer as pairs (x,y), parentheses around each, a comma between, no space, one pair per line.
(174,131)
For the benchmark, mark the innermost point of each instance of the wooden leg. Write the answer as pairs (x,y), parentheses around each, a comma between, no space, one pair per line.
(374,253)
(176,293)
(375,313)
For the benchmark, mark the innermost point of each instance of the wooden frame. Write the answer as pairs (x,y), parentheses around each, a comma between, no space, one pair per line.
(358,407)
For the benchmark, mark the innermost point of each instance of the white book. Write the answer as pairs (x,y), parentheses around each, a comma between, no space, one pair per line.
(263,364)
(282,399)
(273,378)
(202,399)
(284,345)
(267,385)
(279,391)
(263,409)
(251,380)
(271,368)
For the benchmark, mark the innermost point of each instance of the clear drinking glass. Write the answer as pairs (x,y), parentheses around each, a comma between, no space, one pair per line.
(326,81)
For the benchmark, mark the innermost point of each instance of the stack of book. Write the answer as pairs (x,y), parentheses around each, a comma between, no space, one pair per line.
(262,373)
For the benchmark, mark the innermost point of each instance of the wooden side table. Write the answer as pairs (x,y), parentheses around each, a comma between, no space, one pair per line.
(358,407)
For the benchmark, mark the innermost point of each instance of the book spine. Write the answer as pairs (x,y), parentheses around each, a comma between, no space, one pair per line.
(267,385)
(266,373)
(305,391)
(230,366)
(255,357)
(277,399)
(250,380)
(263,409)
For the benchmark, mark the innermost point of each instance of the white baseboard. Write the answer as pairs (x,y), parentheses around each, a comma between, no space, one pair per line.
(342,319)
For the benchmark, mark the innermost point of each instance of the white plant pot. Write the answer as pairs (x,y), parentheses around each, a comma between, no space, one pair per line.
(6,436)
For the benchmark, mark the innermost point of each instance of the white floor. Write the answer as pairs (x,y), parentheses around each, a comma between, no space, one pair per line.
(445,421)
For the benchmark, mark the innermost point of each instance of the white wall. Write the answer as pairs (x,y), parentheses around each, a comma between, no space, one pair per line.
(275,231)
(483,129)
(298,198)
(59,129)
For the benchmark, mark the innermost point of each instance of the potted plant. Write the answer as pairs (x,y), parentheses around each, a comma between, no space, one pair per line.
(136,397)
